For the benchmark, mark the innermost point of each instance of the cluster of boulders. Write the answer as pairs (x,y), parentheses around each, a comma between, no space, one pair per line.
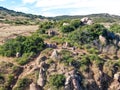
(50,45)
(115,85)
(87,20)
(93,81)
(73,81)
(42,75)
(109,39)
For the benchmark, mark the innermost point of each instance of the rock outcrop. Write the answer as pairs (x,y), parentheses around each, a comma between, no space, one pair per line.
(73,81)
(87,21)
(42,75)
(115,85)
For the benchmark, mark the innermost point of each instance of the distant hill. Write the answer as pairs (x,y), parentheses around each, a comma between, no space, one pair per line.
(102,17)
(4,11)
(11,16)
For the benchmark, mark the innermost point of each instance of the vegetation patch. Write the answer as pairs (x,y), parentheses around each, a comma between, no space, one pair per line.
(57,80)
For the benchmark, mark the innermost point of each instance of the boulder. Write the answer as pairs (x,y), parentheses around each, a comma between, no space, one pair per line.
(117,76)
(73,81)
(54,54)
(66,24)
(33,86)
(87,21)
(18,55)
(42,78)
(115,85)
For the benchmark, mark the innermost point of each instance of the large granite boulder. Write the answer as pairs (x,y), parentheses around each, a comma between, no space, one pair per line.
(42,78)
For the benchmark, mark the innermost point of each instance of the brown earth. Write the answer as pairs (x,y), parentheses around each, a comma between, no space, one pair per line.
(9,31)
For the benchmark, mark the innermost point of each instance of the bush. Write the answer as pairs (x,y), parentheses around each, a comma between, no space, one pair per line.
(10,48)
(22,45)
(10,80)
(67,29)
(86,34)
(76,23)
(46,25)
(57,80)
(115,28)
(22,84)
(93,51)
(96,59)
(25,58)
(66,57)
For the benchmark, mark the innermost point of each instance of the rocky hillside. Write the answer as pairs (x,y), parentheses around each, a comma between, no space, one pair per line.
(73,54)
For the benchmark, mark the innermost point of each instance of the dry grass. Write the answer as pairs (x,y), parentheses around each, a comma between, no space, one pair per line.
(8,31)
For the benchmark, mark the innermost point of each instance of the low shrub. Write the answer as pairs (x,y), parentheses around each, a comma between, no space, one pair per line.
(25,58)
(22,84)
(57,80)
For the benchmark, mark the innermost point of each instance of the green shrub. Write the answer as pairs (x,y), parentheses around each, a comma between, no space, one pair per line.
(22,84)
(46,25)
(76,23)
(115,28)
(66,57)
(10,80)
(95,58)
(58,40)
(93,51)
(2,79)
(57,80)
(22,45)
(86,34)
(67,29)
(25,58)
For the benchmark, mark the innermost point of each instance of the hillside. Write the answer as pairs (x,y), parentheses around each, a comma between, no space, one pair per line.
(68,54)
(13,17)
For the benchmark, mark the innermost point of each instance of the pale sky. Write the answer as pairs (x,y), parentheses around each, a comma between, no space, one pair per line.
(63,7)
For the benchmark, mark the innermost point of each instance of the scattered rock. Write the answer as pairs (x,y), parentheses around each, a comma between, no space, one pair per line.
(54,54)
(73,81)
(34,86)
(18,54)
(117,76)
(115,85)
(66,24)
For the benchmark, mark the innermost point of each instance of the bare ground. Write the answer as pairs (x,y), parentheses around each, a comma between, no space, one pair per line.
(8,31)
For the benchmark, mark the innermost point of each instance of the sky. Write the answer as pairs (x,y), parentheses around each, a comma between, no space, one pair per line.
(63,7)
